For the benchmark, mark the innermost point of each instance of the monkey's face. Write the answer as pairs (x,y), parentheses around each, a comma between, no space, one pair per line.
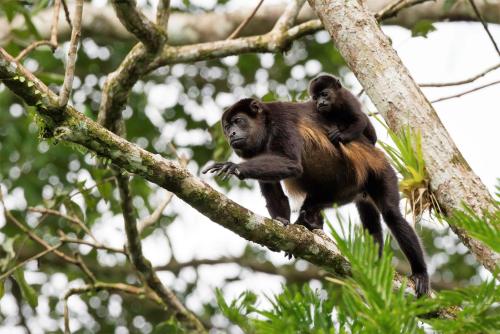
(244,132)
(325,100)
(324,91)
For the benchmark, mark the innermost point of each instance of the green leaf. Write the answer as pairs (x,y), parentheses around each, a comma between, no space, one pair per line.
(422,28)
(2,288)
(27,290)
(7,253)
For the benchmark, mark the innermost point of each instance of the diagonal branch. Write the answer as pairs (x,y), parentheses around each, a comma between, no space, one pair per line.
(485,25)
(244,23)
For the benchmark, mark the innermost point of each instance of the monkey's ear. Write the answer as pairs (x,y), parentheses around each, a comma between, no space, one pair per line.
(255,106)
(336,83)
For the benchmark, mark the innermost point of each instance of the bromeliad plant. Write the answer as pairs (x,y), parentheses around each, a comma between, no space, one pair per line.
(407,158)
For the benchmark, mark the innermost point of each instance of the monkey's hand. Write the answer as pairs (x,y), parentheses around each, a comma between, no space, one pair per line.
(335,136)
(223,169)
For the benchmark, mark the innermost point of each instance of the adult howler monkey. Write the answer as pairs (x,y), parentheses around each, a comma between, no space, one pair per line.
(286,141)
(341,110)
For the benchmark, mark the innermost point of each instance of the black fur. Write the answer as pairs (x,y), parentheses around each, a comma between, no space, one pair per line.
(268,136)
(341,111)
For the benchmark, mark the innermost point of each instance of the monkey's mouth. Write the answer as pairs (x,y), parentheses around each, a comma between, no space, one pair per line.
(323,108)
(237,142)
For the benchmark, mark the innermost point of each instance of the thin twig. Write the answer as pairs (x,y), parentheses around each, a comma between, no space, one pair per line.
(485,25)
(32,235)
(66,239)
(389,8)
(461,82)
(243,24)
(155,216)
(66,13)
(55,22)
(84,268)
(37,256)
(71,59)
(99,286)
(71,219)
(32,47)
(395,7)
(86,190)
(466,92)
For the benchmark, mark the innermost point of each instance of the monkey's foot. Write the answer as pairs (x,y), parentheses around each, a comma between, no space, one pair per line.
(422,284)
(311,220)
(284,221)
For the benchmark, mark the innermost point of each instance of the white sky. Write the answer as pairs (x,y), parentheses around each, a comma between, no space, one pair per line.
(454,52)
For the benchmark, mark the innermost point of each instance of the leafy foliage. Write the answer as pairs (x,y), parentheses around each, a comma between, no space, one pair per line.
(422,28)
(485,227)
(367,302)
(408,159)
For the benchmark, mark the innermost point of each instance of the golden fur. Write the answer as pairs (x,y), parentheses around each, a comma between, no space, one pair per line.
(359,157)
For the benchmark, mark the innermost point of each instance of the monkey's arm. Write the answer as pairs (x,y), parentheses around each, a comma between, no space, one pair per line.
(276,201)
(270,167)
(370,132)
(355,129)
(264,167)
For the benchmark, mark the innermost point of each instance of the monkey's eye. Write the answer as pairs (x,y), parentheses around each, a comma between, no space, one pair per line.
(239,121)
(324,93)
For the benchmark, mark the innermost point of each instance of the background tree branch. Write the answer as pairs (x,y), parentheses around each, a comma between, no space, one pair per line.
(187,28)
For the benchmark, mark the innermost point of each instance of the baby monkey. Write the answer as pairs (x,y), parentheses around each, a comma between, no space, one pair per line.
(341,110)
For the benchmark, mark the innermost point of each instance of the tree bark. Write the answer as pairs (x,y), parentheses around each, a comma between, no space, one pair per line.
(102,23)
(369,54)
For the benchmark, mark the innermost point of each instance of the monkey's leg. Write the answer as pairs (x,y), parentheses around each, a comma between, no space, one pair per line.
(384,191)
(370,218)
(276,201)
(310,213)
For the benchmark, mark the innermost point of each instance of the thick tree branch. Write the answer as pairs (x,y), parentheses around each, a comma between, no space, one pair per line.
(369,54)
(138,24)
